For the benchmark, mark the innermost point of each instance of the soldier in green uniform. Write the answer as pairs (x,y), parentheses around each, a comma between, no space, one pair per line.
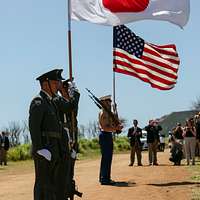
(70,92)
(47,134)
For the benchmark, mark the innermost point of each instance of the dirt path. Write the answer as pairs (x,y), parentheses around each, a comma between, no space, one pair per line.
(163,182)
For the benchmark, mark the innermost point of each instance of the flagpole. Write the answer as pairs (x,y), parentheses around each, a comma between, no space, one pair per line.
(114,80)
(114,84)
(70,68)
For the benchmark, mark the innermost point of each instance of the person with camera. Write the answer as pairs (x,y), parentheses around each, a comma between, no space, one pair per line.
(197,126)
(189,135)
(134,135)
(153,141)
(178,133)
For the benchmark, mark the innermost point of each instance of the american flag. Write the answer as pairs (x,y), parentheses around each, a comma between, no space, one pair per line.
(154,64)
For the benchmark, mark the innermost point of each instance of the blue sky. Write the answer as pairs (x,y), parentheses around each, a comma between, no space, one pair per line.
(33,40)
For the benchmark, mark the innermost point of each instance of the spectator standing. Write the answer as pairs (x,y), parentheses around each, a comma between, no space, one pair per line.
(189,134)
(152,140)
(4,148)
(197,126)
(134,135)
(178,133)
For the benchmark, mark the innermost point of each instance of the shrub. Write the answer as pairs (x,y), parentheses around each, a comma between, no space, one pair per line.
(21,152)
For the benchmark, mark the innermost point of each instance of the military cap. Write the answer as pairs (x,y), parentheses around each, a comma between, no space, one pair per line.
(51,75)
(104,98)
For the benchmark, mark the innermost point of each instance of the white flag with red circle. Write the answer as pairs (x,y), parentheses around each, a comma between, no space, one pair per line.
(117,12)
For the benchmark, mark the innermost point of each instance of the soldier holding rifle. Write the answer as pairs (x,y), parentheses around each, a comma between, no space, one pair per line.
(108,124)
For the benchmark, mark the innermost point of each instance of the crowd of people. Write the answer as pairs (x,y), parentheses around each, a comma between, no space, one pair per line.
(184,141)
(186,138)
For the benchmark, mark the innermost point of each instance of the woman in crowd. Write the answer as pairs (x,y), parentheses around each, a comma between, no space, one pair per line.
(189,134)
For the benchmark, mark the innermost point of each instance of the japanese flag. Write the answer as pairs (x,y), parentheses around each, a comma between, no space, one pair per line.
(117,12)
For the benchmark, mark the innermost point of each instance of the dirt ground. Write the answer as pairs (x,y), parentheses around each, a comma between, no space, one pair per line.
(163,182)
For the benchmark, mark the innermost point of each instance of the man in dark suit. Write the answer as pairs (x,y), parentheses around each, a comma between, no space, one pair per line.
(134,135)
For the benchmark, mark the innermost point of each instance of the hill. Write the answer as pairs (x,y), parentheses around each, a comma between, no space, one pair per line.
(169,121)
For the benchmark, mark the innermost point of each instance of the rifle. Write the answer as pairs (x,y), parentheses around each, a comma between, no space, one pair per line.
(74,191)
(100,105)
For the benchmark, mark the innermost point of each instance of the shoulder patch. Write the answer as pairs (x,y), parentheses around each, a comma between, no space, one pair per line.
(38,101)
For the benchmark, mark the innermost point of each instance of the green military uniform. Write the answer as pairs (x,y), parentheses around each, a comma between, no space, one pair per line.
(47,133)
(67,166)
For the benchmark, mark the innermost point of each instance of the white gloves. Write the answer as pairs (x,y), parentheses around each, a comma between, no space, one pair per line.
(72,88)
(45,153)
(73,154)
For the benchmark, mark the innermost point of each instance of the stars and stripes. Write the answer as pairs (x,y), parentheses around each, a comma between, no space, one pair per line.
(154,64)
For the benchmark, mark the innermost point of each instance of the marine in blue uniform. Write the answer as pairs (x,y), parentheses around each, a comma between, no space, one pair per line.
(107,127)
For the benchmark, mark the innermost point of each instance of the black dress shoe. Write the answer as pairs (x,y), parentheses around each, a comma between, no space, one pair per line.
(130,165)
(110,182)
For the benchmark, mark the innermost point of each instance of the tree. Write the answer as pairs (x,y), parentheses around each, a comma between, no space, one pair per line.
(92,129)
(14,131)
(81,131)
(25,132)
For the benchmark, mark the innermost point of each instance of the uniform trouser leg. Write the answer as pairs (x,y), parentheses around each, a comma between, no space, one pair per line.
(192,149)
(190,143)
(139,155)
(155,149)
(106,144)
(45,179)
(0,156)
(150,152)
(4,156)
(198,145)
(132,156)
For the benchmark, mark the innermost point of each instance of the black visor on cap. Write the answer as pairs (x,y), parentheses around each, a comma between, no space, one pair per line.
(51,75)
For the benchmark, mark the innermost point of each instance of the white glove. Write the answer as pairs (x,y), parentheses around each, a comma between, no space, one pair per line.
(72,88)
(45,153)
(73,154)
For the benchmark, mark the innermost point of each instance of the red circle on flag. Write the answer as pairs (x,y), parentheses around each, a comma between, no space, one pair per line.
(126,5)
